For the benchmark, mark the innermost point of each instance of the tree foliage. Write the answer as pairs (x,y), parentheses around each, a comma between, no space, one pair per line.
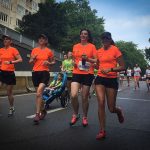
(62,23)
(50,20)
(131,54)
(147,53)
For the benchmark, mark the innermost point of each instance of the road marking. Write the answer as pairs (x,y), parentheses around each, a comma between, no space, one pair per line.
(133,99)
(48,112)
(19,95)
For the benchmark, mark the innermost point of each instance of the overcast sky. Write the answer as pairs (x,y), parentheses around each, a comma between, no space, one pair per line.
(126,20)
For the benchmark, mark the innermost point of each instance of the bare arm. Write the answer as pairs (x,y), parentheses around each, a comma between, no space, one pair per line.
(121,66)
(17,60)
(32,59)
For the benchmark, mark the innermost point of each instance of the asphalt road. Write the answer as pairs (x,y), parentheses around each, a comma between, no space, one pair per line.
(54,133)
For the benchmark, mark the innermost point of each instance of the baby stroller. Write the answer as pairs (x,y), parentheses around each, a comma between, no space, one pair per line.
(61,93)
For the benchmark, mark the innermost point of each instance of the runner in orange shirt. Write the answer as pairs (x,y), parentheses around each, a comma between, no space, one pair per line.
(8,57)
(83,56)
(42,57)
(106,81)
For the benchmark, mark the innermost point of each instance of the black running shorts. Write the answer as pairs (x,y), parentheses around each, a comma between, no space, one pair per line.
(40,77)
(84,79)
(107,82)
(8,77)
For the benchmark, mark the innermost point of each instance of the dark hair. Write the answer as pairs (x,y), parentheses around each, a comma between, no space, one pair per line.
(113,43)
(90,40)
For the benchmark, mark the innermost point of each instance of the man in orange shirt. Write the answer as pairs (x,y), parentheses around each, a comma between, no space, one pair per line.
(42,58)
(106,82)
(8,57)
(83,55)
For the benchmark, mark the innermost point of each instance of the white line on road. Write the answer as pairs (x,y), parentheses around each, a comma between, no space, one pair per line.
(48,112)
(132,99)
(19,95)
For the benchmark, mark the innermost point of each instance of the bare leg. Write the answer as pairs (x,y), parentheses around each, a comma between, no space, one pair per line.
(138,84)
(39,92)
(85,103)
(147,83)
(111,102)
(74,96)
(128,80)
(10,95)
(135,83)
(100,92)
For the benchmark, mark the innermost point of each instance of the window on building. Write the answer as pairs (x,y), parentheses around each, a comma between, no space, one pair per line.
(3,17)
(5,3)
(34,6)
(20,10)
(11,20)
(18,22)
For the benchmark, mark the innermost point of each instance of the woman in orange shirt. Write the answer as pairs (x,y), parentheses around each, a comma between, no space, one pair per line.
(8,57)
(106,82)
(42,58)
(83,56)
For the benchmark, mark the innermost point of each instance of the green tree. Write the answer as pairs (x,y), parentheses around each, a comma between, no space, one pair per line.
(50,20)
(147,53)
(80,15)
(132,55)
(62,23)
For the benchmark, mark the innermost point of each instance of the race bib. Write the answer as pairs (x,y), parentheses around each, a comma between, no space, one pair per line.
(85,67)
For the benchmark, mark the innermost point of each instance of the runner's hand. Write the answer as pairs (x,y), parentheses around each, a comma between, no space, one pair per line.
(105,71)
(46,63)
(34,57)
(6,62)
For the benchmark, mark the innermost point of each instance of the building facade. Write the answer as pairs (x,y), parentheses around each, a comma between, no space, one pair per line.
(12,11)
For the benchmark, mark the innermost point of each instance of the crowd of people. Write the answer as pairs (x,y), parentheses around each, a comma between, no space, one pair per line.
(135,74)
(84,65)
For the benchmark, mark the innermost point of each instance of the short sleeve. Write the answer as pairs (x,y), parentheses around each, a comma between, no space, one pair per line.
(63,62)
(15,52)
(51,54)
(117,53)
(33,52)
(94,51)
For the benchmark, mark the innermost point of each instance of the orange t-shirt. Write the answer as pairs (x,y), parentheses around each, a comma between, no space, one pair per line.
(78,50)
(8,54)
(42,55)
(108,59)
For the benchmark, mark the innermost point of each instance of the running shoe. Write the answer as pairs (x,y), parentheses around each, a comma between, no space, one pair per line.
(120,116)
(84,121)
(74,119)
(43,114)
(101,135)
(37,118)
(11,111)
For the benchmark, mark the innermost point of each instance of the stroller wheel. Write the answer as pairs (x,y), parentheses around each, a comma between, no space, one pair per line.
(47,106)
(64,99)
(64,102)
